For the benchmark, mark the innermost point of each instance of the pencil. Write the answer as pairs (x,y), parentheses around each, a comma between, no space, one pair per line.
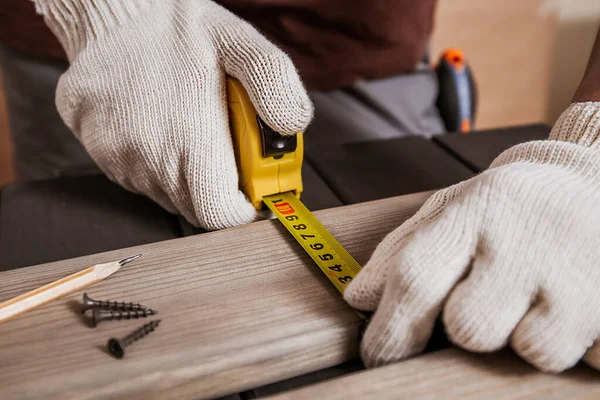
(60,288)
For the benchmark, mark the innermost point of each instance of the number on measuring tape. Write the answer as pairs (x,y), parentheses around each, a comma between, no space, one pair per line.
(321,246)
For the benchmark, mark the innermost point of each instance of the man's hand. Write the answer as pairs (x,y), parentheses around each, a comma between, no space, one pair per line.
(145,94)
(510,256)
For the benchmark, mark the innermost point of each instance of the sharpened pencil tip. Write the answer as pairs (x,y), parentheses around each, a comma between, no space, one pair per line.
(129,259)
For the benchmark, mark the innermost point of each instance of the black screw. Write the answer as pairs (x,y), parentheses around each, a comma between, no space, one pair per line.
(100,315)
(108,305)
(117,347)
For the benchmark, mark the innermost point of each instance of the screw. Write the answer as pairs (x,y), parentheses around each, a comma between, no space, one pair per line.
(100,315)
(108,305)
(117,347)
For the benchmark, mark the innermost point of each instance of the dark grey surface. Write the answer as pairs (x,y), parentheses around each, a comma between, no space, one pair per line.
(303,380)
(317,195)
(69,217)
(367,171)
(478,149)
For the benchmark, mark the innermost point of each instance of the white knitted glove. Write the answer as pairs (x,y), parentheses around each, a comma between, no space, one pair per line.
(510,256)
(145,94)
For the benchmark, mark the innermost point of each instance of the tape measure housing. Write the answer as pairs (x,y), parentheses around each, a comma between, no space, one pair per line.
(260,176)
(274,179)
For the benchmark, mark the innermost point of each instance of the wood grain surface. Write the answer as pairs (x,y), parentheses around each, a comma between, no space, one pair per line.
(455,374)
(240,308)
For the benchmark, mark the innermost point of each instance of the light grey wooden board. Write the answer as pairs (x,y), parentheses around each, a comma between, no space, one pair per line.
(240,308)
(455,374)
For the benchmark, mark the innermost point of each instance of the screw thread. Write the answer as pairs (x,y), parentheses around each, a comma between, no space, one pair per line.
(100,315)
(140,333)
(119,305)
(88,303)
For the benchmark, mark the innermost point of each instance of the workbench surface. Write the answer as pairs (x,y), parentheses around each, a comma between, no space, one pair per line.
(245,313)
(240,308)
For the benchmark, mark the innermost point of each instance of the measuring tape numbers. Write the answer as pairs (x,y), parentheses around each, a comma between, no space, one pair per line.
(329,255)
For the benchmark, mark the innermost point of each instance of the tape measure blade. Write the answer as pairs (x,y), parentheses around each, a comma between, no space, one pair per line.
(329,255)
(338,248)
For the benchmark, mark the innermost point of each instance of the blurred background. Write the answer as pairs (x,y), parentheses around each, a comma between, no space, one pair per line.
(527,57)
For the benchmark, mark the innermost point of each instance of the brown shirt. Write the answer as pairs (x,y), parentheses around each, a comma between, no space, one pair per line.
(332,42)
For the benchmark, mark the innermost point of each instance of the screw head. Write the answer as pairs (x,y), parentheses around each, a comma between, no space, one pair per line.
(87,303)
(97,316)
(116,348)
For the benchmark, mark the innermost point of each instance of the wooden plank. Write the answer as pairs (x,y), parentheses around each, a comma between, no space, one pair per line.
(455,374)
(477,150)
(241,308)
(63,218)
(368,171)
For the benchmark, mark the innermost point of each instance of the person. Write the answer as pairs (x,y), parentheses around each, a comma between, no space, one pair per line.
(507,257)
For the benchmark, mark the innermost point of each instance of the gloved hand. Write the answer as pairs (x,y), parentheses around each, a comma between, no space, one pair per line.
(510,256)
(145,94)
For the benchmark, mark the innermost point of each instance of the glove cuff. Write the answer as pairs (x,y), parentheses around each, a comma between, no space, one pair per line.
(75,22)
(579,124)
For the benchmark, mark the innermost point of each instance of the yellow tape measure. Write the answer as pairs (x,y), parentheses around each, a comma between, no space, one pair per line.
(270,167)
(329,255)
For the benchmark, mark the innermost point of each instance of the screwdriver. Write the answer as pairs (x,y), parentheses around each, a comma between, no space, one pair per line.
(457,97)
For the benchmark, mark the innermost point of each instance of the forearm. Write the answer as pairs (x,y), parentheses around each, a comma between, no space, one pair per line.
(589,88)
